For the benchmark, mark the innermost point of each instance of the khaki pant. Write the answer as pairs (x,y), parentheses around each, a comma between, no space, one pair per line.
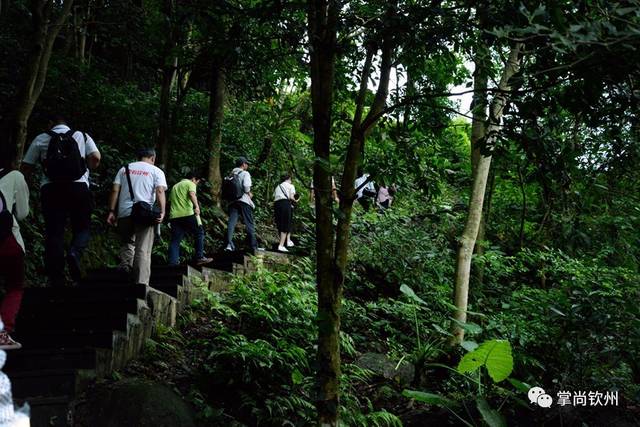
(135,252)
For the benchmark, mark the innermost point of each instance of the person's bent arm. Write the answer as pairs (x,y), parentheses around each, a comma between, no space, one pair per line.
(162,202)
(93,160)
(27,170)
(194,200)
(22,198)
(113,201)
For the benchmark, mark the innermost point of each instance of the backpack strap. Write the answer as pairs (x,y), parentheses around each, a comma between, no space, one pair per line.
(4,172)
(241,178)
(126,171)
(4,203)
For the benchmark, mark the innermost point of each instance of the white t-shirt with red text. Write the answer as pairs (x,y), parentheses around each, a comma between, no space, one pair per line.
(145,178)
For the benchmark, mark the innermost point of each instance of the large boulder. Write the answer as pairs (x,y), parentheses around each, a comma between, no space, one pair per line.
(133,402)
(402,373)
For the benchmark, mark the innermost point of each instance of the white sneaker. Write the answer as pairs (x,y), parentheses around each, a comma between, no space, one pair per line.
(228,248)
(282,249)
(290,244)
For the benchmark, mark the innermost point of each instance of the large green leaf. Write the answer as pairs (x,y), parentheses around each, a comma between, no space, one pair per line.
(494,355)
(491,416)
(469,345)
(519,385)
(411,294)
(469,327)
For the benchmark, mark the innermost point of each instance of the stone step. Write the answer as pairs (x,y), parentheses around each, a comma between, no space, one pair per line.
(107,280)
(167,288)
(224,260)
(43,383)
(60,339)
(27,359)
(48,411)
(102,290)
(71,336)
(115,319)
(76,309)
(114,299)
(157,272)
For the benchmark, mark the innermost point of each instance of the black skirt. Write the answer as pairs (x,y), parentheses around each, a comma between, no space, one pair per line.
(284,214)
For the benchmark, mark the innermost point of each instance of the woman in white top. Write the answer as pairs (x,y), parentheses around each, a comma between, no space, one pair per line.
(15,194)
(283,196)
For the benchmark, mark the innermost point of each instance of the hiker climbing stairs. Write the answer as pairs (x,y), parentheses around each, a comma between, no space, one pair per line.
(73,336)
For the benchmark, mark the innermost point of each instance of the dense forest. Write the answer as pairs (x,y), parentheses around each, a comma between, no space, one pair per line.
(509,258)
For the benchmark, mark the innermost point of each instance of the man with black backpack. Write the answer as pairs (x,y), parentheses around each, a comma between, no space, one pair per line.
(66,156)
(14,206)
(236,189)
(136,189)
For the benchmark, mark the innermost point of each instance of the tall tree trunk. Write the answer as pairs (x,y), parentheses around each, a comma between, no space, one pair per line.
(360,129)
(46,29)
(482,61)
(484,221)
(4,7)
(169,71)
(164,116)
(214,133)
(523,216)
(85,13)
(322,17)
(331,261)
(76,31)
(470,233)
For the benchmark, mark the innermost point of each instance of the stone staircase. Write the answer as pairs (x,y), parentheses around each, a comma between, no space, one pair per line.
(74,336)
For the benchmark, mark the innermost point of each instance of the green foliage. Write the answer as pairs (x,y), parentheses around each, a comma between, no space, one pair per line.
(554,298)
(494,355)
(257,365)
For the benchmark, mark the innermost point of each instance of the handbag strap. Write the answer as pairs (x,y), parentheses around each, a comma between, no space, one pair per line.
(126,171)
(286,196)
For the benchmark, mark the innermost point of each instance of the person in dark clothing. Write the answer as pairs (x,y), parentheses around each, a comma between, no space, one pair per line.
(63,200)
(242,207)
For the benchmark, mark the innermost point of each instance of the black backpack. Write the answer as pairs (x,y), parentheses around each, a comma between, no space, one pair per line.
(6,215)
(232,189)
(64,162)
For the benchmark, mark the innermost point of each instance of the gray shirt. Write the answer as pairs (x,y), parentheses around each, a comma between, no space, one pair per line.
(245,179)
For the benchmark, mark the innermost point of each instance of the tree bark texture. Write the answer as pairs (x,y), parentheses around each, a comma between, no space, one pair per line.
(169,72)
(470,233)
(46,27)
(322,20)
(359,132)
(4,7)
(482,61)
(214,135)
(331,260)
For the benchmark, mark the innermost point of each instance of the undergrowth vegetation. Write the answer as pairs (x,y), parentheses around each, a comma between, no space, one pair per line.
(251,350)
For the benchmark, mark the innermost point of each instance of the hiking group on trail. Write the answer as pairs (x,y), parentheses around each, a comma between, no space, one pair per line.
(137,206)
